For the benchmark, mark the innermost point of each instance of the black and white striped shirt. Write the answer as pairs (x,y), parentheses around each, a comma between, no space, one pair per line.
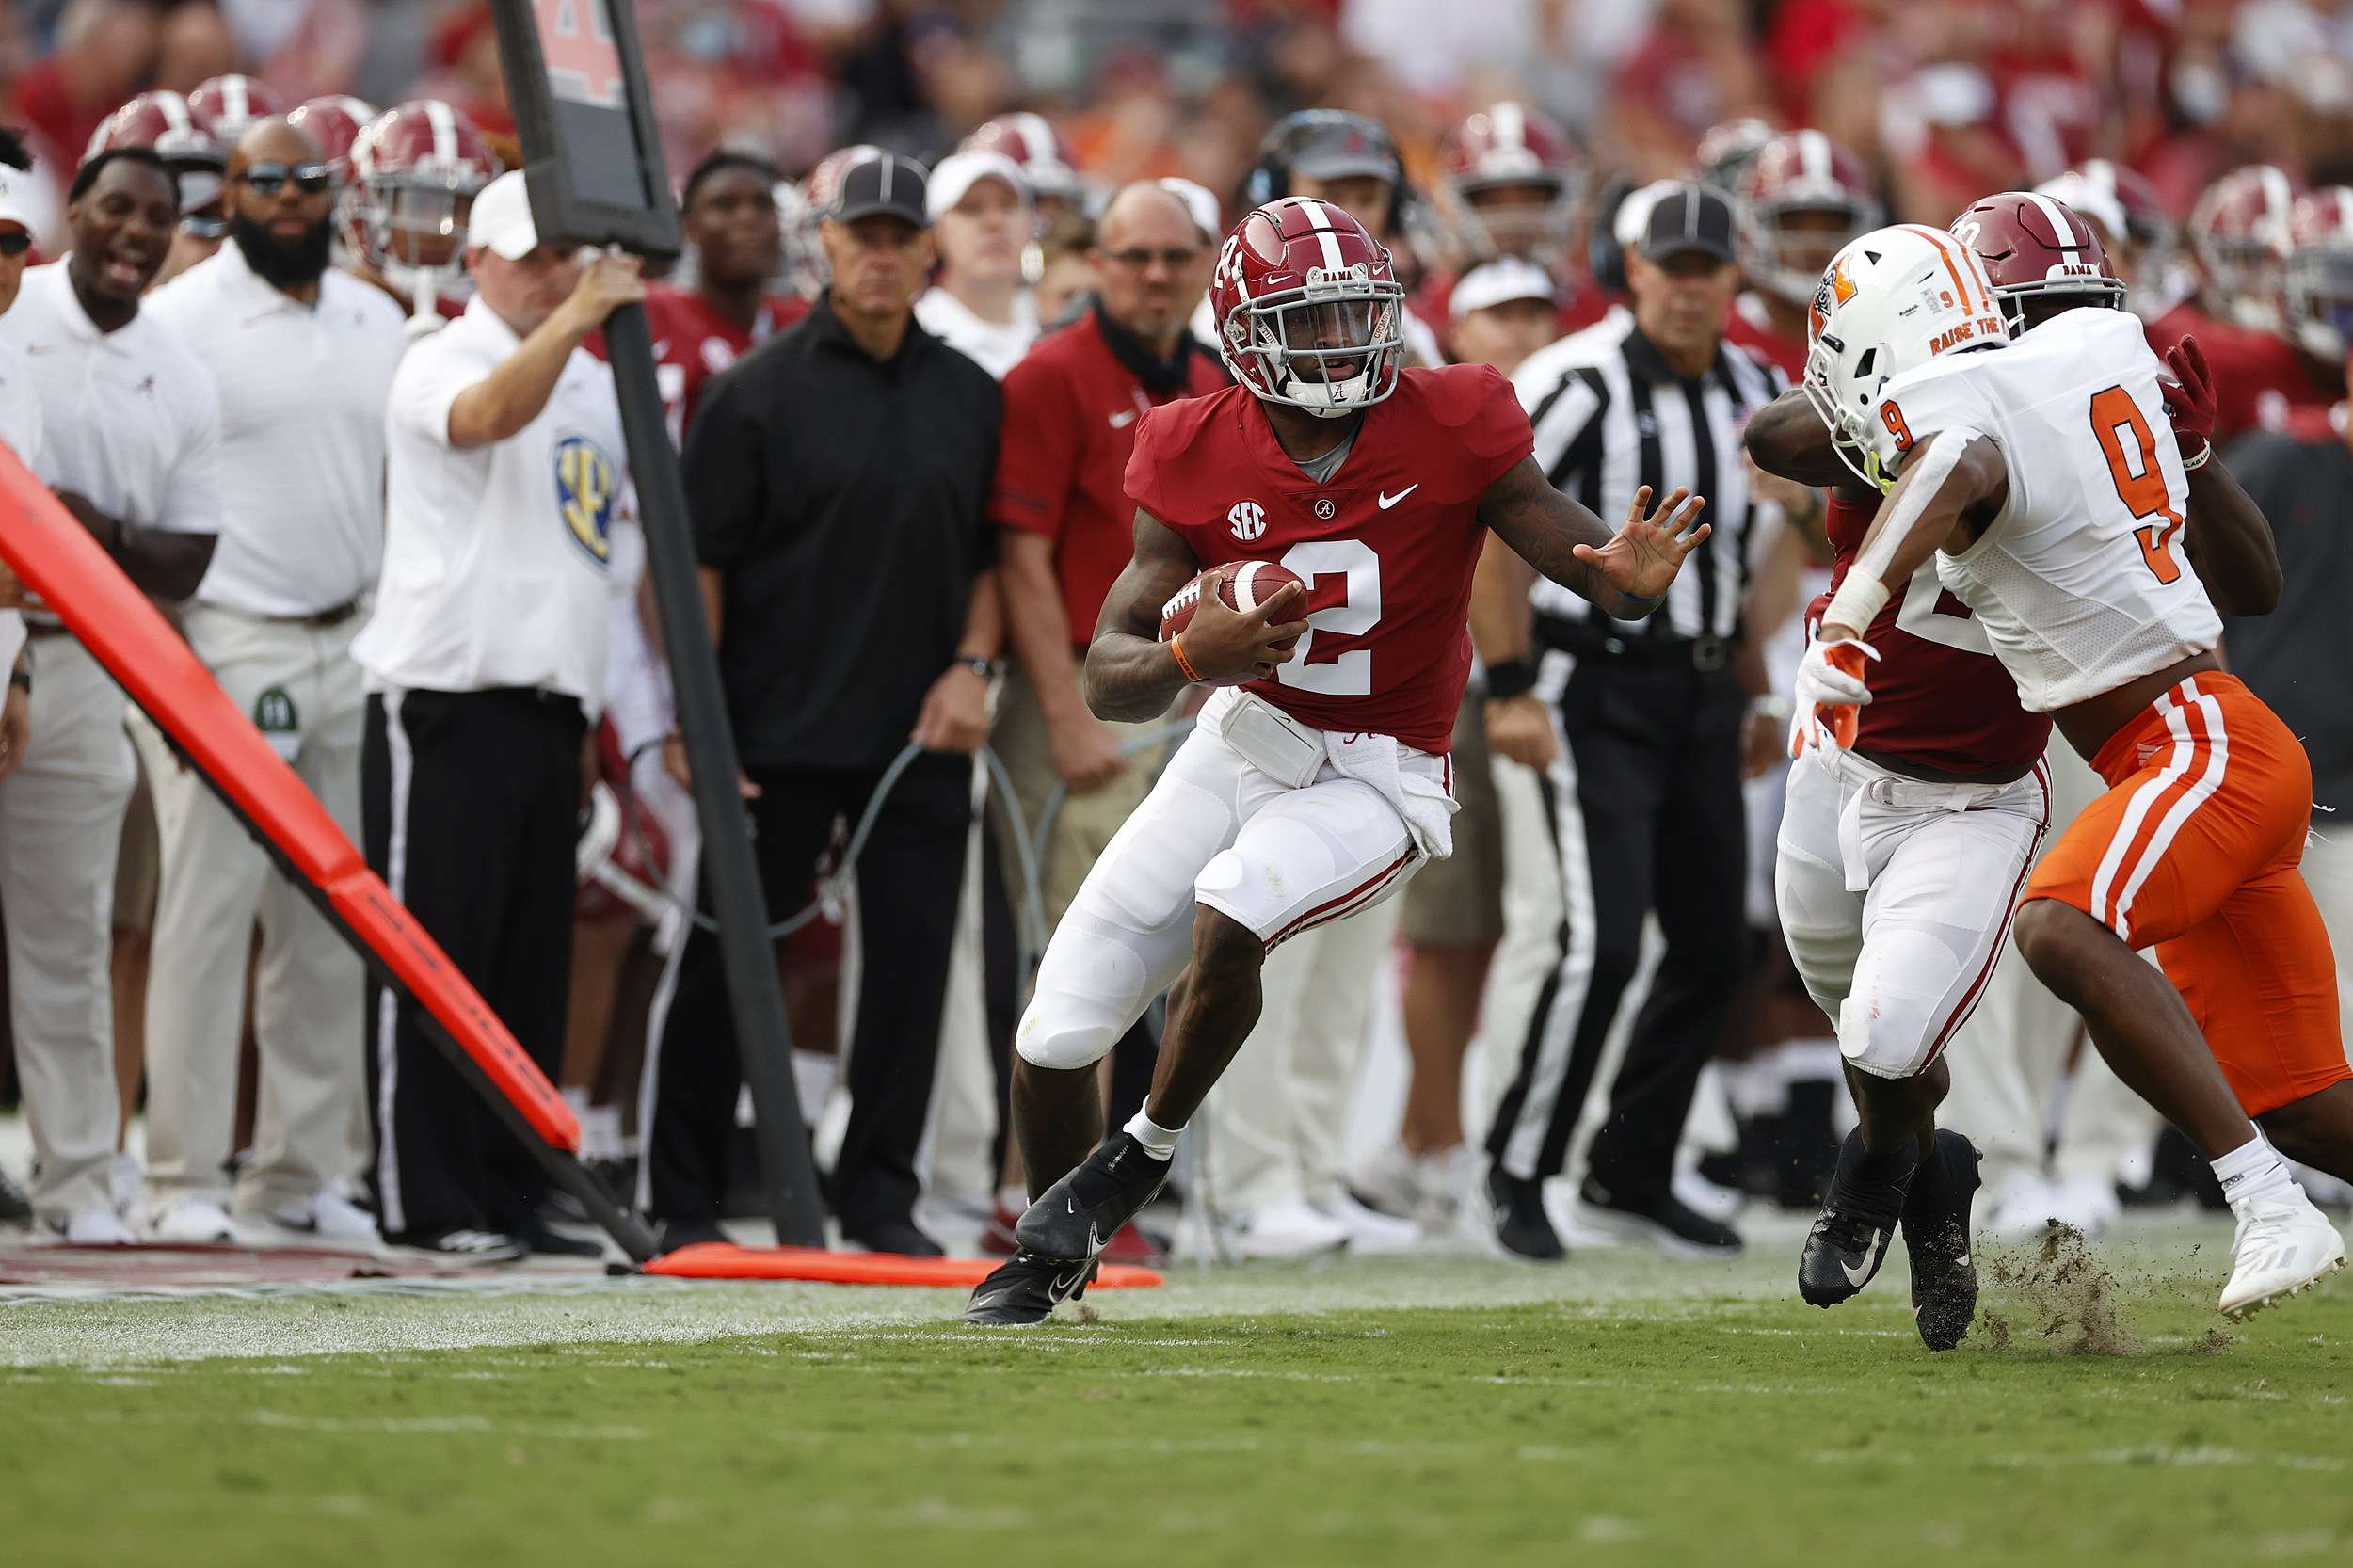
(1611,418)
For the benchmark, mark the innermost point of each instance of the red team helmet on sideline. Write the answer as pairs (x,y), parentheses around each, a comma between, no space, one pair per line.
(2318,295)
(2038,246)
(229,103)
(1500,147)
(2239,229)
(1301,287)
(334,122)
(164,121)
(1802,172)
(1031,141)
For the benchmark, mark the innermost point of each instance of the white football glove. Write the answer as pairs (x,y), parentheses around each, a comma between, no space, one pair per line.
(1828,690)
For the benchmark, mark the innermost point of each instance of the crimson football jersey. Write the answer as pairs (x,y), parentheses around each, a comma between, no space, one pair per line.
(693,343)
(1386,549)
(1747,327)
(1939,696)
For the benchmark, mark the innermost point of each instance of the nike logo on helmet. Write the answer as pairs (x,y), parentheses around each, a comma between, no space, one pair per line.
(1860,1277)
(1388,501)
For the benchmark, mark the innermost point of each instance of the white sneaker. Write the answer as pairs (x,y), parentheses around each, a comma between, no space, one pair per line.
(2024,1212)
(1370,1230)
(321,1220)
(97,1226)
(1393,1181)
(193,1221)
(1720,1204)
(2284,1246)
(125,1185)
(1287,1229)
(2087,1202)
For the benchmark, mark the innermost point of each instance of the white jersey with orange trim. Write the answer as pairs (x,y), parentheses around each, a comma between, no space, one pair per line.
(2081,582)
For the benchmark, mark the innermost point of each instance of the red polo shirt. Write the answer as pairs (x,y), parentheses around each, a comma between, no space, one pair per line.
(1069,428)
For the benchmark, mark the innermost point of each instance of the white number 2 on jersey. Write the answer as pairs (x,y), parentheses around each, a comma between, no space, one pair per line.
(1351,673)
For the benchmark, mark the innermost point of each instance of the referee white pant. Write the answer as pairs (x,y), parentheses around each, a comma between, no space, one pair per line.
(61,824)
(1895,898)
(300,686)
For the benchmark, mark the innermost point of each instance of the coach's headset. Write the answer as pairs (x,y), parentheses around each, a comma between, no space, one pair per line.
(1270,179)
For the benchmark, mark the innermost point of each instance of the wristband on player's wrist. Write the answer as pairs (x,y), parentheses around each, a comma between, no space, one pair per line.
(1511,677)
(22,679)
(1176,646)
(2205,456)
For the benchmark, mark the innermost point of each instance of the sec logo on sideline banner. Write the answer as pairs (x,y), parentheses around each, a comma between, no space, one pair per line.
(585,487)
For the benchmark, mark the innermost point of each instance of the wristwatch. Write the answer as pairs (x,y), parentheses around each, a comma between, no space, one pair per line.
(1772,705)
(979,666)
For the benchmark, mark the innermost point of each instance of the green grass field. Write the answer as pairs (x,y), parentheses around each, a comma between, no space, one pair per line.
(1618,1411)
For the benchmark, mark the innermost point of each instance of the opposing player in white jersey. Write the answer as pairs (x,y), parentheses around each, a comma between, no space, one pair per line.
(2031,472)
(1903,850)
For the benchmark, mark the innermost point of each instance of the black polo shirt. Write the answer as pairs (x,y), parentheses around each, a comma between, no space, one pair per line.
(844,498)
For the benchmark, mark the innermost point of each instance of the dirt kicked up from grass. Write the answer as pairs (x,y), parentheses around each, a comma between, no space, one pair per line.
(1684,1428)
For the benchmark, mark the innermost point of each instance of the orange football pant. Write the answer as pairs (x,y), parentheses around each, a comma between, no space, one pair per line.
(2194,851)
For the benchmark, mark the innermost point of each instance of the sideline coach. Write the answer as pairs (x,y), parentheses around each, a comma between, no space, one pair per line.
(485,660)
(837,477)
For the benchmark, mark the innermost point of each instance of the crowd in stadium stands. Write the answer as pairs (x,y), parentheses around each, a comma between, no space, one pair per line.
(279,332)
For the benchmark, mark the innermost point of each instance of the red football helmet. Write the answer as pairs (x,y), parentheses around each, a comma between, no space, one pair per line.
(416,169)
(1726,150)
(803,252)
(1803,172)
(1513,179)
(2239,229)
(229,103)
(1031,141)
(1309,313)
(2319,292)
(334,122)
(164,121)
(2034,247)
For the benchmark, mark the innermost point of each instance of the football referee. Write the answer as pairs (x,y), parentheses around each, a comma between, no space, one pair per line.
(1651,719)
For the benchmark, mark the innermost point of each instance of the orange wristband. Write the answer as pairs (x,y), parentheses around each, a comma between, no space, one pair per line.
(1176,647)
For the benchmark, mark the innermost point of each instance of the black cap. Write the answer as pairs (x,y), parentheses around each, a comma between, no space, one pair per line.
(881,182)
(1691,217)
(1333,144)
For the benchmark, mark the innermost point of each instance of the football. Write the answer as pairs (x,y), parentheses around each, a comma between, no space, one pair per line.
(1244,585)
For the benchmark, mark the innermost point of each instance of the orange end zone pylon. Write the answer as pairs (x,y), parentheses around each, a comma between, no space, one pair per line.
(725,1261)
(57,559)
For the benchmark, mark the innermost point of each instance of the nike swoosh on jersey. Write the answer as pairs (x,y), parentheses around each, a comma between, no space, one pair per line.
(1858,1277)
(1123,418)
(1388,501)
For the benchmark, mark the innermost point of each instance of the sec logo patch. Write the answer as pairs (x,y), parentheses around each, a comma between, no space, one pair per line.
(585,482)
(1247,520)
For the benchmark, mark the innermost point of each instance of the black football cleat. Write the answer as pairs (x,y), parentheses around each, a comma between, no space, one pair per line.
(1851,1235)
(1025,1289)
(1522,1227)
(1936,1235)
(1076,1218)
(1662,1218)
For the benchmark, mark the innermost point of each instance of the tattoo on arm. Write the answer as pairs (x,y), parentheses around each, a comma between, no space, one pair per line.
(1545,527)
(1130,676)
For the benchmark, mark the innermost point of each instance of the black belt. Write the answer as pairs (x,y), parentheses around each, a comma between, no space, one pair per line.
(334,615)
(1587,640)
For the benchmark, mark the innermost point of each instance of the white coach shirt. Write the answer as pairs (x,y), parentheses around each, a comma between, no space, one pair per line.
(302,395)
(128,418)
(494,559)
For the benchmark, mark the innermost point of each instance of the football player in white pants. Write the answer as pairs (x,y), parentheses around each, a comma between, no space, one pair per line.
(1318,790)
(2031,479)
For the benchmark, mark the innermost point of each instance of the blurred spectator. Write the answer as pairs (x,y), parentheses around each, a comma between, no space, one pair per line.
(981,221)
(728,215)
(1066,278)
(193,46)
(1695,69)
(105,49)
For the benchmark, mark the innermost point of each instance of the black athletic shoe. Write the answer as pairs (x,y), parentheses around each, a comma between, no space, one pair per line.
(1025,1289)
(1936,1234)
(14,1205)
(903,1236)
(1076,1218)
(544,1240)
(670,1235)
(1850,1236)
(1663,1220)
(1521,1223)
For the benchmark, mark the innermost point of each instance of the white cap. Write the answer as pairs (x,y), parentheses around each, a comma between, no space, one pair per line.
(1498,282)
(16,199)
(958,172)
(2092,198)
(501,219)
(1207,216)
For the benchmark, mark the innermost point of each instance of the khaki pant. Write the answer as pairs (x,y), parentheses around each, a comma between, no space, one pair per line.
(300,685)
(60,827)
(1084,824)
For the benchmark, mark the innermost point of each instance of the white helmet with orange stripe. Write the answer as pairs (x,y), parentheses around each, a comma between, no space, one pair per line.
(1890,301)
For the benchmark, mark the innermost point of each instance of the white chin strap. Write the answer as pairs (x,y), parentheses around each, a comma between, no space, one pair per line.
(1329,399)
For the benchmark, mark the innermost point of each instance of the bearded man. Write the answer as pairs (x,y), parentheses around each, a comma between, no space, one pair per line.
(303,356)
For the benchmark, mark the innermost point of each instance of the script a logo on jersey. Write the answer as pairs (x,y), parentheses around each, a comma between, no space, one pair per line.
(1247,520)
(585,487)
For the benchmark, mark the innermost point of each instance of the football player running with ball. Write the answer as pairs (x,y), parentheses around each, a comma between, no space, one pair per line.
(2031,473)
(1316,781)
(1904,849)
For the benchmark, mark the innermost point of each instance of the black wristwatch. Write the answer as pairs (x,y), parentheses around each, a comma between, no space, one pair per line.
(22,679)
(977,665)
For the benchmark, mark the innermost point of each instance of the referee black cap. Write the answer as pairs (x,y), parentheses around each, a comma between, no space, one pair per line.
(881,182)
(1690,217)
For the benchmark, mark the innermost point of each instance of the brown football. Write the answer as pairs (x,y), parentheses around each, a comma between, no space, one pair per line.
(1243,586)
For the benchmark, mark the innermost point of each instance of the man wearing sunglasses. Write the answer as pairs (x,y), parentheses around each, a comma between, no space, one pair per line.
(303,356)
(131,438)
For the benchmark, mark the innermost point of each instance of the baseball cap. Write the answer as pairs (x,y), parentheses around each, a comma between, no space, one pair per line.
(1682,215)
(882,183)
(958,172)
(1500,282)
(16,199)
(500,218)
(1206,215)
(1343,146)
